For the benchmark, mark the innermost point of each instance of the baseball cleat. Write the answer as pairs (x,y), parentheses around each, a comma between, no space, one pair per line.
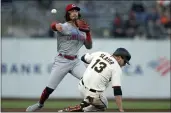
(34,107)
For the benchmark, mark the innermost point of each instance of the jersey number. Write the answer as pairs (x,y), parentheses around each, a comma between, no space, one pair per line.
(100,68)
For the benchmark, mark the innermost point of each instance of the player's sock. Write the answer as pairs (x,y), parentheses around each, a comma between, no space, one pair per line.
(45,95)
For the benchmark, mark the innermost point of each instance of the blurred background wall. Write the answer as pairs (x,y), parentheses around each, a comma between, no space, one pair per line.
(29,45)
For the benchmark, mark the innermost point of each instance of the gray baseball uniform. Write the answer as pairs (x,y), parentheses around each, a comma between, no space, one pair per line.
(69,41)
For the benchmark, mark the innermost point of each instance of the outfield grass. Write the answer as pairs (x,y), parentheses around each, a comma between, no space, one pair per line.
(62,104)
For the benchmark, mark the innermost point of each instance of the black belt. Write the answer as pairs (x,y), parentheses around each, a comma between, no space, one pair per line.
(92,90)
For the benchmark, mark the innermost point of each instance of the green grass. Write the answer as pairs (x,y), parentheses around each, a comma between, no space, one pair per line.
(63,104)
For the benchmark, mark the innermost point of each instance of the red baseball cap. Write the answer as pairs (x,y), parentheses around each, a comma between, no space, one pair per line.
(72,6)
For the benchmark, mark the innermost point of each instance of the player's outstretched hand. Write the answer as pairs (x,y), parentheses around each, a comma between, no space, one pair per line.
(82,25)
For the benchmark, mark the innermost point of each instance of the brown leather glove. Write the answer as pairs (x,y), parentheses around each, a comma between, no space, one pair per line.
(82,25)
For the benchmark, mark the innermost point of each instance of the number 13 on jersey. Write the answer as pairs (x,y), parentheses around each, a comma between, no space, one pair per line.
(99,68)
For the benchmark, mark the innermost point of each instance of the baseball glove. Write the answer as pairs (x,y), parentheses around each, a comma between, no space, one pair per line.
(82,25)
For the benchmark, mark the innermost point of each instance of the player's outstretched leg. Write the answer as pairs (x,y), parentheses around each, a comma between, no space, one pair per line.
(77,108)
(45,95)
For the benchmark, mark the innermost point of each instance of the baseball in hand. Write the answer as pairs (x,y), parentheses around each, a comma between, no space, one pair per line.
(53,11)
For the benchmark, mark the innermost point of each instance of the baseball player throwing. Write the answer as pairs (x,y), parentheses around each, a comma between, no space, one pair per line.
(102,69)
(71,36)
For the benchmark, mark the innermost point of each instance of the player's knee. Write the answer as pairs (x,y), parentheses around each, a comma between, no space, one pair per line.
(101,107)
(49,90)
(94,108)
